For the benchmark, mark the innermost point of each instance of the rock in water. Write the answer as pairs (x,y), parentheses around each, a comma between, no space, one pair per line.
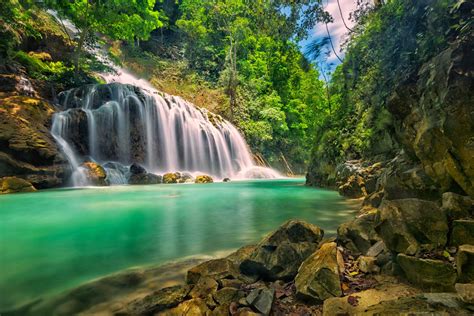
(137,169)
(408,224)
(15,185)
(319,276)
(279,255)
(144,178)
(428,273)
(171,177)
(203,179)
(95,174)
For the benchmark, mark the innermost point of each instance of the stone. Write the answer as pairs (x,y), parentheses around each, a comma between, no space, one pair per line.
(158,301)
(318,277)
(192,307)
(204,287)
(216,269)
(186,178)
(465,292)
(359,234)
(376,249)
(279,255)
(261,300)
(421,304)
(95,173)
(462,232)
(457,206)
(137,169)
(144,178)
(246,311)
(408,225)
(353,188)
(226,180)
(465,263)
(242,254)
(171,177)
(429,274)
(368,264)
(203,179)
(221,310)
(15,185)
(227,295)
(365,299)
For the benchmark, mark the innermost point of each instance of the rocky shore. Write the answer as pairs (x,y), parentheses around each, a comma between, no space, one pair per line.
(407,256)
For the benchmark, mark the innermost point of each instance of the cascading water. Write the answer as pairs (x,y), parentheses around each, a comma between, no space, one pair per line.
(125,124)
(128,121)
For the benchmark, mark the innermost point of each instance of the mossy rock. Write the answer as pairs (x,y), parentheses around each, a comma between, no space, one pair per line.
(15,185)
(95,173)
(203,179)
(430,274)
(462,232)
(171,177)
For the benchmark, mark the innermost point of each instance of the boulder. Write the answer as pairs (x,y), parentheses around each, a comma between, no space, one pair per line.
(376,249)
(279,255)
(95,173)
(203,179)
(462,232)
(465,292)
(368,264)
(192,307)
(137,169)
(457,206)
(465,263)
(216,269)
(354,187)
(357,303)
(171,177)
(227,295)
(359,234)
(144,178)
(318,277)
(15,185)
(408,225)
(158,301)
(204,287)
(186,178)
(226,180)
(430,274)
(261,300)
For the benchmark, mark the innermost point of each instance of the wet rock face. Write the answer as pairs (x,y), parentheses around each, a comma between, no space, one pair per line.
(203,179)
(408,225)
(318,277)
(158,301)
(95,173)
(27,149)
(435,121)
(279,255)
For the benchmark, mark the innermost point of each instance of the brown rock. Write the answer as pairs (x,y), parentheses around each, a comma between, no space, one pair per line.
(15,185)
(465,263)
(158,301)
(279,255)
(95,173)
(462,232)
(319,276)
(215,269)
(191,307)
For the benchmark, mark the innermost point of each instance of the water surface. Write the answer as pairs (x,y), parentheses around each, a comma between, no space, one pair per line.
(57,239)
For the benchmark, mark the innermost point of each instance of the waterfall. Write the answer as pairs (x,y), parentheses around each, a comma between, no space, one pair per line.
(128,121)
(117,124)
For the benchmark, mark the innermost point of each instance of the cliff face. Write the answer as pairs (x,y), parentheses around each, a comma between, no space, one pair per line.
(27,149)
(433,119)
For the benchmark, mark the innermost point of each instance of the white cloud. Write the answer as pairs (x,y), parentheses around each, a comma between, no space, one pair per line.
(337,29)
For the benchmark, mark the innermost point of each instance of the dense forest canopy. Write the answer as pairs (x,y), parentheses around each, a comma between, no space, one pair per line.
(246,57)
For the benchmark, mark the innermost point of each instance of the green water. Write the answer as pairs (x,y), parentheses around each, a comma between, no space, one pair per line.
(57,239)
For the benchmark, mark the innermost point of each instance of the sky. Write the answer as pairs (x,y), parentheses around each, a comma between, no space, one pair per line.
(337,29)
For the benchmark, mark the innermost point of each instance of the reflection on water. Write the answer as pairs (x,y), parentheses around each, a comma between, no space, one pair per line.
(53,240)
